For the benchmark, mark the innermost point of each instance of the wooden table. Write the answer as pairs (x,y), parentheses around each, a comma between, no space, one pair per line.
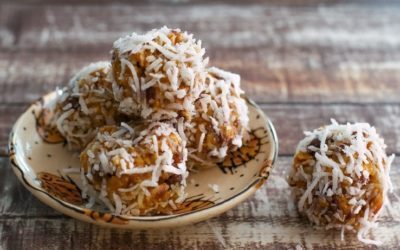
(303,62)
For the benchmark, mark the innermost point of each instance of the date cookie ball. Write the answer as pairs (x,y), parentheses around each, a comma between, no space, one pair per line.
(86,104)
(138,170)
(158,75)
(220,121)
(340,176)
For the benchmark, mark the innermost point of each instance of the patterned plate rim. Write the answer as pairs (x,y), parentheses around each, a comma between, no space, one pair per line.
(108,219)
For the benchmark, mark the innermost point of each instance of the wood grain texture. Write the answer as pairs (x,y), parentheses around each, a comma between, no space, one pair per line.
(267,220)
(284,54)
(294,3)
(290,121)
(304,61)
(15,200)
(9,115)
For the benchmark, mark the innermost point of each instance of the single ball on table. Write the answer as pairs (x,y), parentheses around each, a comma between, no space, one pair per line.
(139,170)
(86,104)
(340,176)
(220,122)
(158,75)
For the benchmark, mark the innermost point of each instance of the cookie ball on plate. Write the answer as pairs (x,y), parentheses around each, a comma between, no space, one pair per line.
(138,170)
(158,75)
(340,176)
(220,121)
(86,104)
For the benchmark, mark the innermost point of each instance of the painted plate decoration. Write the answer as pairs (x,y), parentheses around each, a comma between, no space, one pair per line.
(46,168)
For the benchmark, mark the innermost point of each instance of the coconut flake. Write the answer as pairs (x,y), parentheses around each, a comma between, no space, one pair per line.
(214,187)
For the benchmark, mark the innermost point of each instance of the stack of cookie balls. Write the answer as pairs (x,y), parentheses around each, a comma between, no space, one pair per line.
(340,177)
(144,119)
(156,111)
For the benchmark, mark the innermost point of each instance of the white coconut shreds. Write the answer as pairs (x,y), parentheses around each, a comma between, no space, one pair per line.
(86,104)
(214,187)
(118,160)
(341,158)
(171,76)
(221,109)
(161,75)
(86,71)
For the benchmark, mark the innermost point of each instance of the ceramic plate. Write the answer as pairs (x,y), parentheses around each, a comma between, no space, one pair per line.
(39,159)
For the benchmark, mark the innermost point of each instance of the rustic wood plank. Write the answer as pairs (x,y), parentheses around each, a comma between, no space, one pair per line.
(24,81)
(292,3)
(9,115)
(290,121)
(343,55)
(284,54)
(15,200)
(266,220)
